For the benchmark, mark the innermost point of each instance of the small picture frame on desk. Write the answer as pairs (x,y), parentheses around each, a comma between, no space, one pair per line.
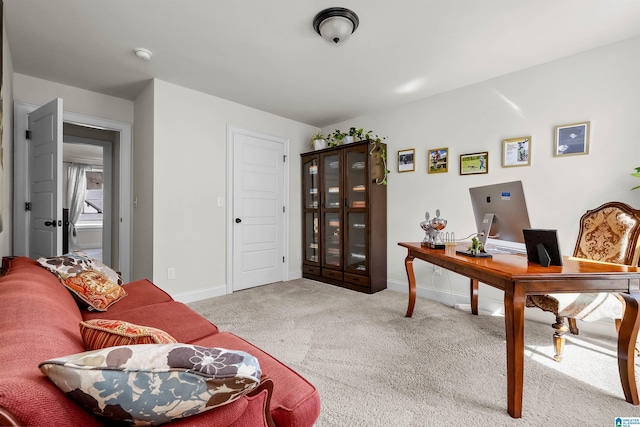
(516,152)
(474,163)
(406,160)
(438,160)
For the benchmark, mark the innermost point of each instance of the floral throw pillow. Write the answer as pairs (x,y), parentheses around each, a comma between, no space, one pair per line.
(73,263)
(65,266)
(152,384)
(94,289)
(98,265)
(103,333)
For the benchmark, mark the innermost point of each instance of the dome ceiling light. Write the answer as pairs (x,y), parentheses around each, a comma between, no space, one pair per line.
(336,24)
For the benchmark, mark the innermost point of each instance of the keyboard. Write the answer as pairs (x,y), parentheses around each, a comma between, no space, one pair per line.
(495,249)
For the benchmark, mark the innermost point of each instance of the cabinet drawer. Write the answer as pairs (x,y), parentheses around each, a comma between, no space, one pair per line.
(332,274)
(356,279)
(311,270)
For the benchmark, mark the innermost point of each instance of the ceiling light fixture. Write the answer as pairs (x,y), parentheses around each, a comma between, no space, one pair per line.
(336,24)
(143,53)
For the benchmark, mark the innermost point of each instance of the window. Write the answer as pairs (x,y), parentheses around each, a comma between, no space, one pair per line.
(93,202)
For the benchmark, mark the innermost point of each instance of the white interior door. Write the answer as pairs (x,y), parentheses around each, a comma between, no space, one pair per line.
(258,211)
(45,181)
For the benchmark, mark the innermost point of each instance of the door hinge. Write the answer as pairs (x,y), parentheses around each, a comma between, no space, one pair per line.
(284,158)
(27,206)
(27,134)
(282,259)
(283,209)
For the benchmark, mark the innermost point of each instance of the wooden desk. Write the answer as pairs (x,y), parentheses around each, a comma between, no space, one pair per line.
(518,278)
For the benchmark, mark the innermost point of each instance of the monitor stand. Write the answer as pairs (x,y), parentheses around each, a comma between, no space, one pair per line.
(485,228)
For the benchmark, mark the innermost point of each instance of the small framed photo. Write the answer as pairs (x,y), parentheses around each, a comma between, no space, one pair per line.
(438,160)
(516,152)
(406,160)
(474,163)
(571,139)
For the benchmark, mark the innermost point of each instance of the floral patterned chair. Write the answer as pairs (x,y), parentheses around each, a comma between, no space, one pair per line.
(609,233)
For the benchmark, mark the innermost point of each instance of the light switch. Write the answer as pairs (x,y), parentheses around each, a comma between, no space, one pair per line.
(220,201)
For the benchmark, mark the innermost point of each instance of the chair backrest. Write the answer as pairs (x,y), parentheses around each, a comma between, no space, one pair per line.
(610,233)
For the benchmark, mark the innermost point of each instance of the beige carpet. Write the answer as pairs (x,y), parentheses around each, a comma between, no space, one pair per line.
(442,367)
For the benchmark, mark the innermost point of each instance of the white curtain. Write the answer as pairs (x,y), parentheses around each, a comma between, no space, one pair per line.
(76,193)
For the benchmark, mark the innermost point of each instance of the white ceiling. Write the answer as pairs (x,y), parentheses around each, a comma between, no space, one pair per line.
(265,53)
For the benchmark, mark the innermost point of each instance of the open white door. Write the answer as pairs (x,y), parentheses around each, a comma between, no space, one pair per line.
(258,211)
(45,180)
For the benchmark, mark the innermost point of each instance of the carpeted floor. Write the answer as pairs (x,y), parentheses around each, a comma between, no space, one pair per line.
(442,367)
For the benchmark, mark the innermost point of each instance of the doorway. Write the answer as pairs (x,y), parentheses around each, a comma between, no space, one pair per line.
(88,224)
(258,189)
(121,181)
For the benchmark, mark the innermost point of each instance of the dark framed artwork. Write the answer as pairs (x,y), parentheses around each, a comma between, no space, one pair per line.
(474,163)
(438,160)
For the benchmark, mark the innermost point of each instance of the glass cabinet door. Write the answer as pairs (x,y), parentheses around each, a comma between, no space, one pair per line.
(332,210)
(357,242)
(356,189)
(356,181)
(311,210)
(331,185)
(332,240)
(311,237)
(311,184)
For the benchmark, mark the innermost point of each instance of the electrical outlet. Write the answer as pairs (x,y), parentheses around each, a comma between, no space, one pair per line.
(437,270)
(171,273)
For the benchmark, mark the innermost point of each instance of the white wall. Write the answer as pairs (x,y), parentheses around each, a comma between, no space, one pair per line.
(601,86)
(6,162)
(37,91)
(142,191)
(189,164)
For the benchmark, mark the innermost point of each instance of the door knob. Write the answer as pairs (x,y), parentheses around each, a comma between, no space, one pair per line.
(50,223)
(238,220)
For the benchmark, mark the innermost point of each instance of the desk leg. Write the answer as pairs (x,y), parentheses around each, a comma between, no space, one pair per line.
(408,264)
(627,336)
(514,300)
(473,287)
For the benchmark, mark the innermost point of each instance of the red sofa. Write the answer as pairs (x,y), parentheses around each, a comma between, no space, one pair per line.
(39,320)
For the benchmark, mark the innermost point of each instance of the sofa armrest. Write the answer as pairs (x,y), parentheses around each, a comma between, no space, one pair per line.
(7,418)
(266,383)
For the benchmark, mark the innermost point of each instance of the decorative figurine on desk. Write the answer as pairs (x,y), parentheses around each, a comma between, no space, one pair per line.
(476,247)
(432,229)
(475,250)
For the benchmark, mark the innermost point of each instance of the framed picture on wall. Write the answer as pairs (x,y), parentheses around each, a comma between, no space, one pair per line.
(474,163)
(516,152)
(571,139)
(438,160)
(406,160)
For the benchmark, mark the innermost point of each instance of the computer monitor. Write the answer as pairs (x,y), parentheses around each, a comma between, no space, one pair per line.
(500,211)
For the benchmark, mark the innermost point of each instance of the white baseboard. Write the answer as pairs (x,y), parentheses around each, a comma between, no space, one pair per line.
(218,291)
(194,296)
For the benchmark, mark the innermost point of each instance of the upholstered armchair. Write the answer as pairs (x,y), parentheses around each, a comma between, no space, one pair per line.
(609,233)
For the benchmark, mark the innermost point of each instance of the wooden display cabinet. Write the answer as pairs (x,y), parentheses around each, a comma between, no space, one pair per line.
(344,217)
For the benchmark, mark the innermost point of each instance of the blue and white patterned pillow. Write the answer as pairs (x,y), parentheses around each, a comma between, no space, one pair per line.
(152,384)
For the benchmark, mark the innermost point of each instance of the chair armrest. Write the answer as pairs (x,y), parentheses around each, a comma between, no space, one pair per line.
(7,418)
(266,383)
